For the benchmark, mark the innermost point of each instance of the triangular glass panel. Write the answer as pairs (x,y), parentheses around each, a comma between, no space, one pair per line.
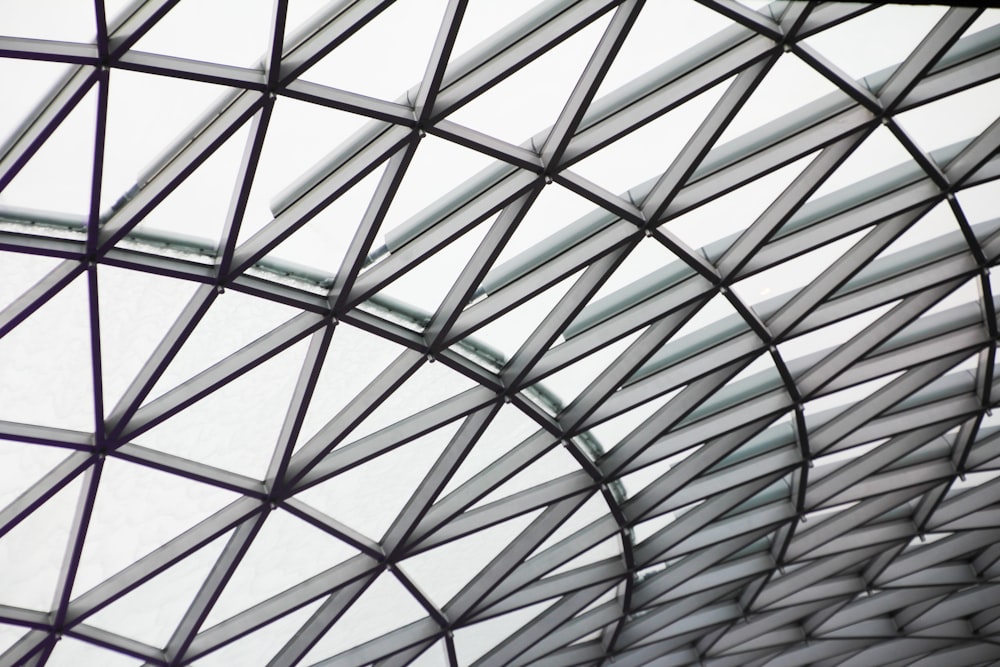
(354,359)
(568,383)
(192,29)
(555,463)
(136,311)
(286,552)
(879,153)
(10,635)
(978,204)
(443,571)
(370,496)
(822,341)
(196,210)
(431,384)
(474,641)
(716,224)
(69,652)
(293,150)
(47,374)
(321,244)
(58,177)
(881,38)
(455,170)
(399,39)
(509,427)
(592,510)
(233,321)
(425,285)
(34,81)
(793,274)
(237,427)
(75,20)
(547,82)
(511,330)
(22,464)
(149,118)
(483,20)
(263,643)
(968,114)
(151,612)
(139,509)
(646,152)
(435,656)
(662,32)
(33,551)
(383,607)
(610,433)
(789,85)
(19,272)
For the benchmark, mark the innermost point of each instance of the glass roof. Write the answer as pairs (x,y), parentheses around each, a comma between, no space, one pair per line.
(475,333)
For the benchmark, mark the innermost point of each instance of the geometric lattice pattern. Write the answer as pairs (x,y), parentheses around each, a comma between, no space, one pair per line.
(683,362)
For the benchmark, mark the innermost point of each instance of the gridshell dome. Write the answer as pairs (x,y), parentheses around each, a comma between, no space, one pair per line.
(445,333)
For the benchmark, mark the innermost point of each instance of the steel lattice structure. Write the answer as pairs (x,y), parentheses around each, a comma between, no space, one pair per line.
(767,527)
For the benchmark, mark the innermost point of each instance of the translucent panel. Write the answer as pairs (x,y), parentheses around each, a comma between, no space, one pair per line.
(370,507)
(233,32)
(968,113)
(402,55)
(646,153)
(483,20)
(879,152)
(322,242)
(877,39)
(237,427)
(473,641)
(35,82)
(199,206)
(977,202)
(453,168)
(146,115)
(137,510)
(58,177)
(233,321)
(261,644)
(663,31)
(31,582)
(70,20)
(426,285)
(151,612)
(293,148)
(508,428)
(443,571)
(801,270)
(72,653)
(20,272)
(285,552)
(46,364)
(545,84)
(726,216)
(429,385)
(136,309)
(354,359)
(22,465)
(551,465)
(789,85)
(384,606)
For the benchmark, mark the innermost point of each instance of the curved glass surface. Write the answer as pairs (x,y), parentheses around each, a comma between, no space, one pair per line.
(473,333)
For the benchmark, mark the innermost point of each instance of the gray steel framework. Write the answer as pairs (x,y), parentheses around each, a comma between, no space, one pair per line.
(746,573)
